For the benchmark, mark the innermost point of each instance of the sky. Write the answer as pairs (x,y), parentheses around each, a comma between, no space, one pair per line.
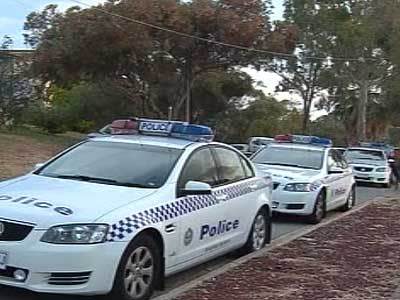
(13,13)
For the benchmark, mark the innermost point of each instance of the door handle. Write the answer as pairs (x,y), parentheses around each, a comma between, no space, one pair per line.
(221,197)
(170,228)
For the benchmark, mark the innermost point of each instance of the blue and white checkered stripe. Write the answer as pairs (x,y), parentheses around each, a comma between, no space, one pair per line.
(180,207)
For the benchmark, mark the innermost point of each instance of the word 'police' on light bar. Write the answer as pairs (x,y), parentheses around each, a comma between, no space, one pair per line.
(177,129)
(303,139)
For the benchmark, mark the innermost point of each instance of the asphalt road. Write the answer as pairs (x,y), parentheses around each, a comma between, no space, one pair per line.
(282,225)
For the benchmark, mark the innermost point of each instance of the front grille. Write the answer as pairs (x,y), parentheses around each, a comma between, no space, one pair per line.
(69,278)
(363,169)
(362,178)
(295,206)
(276,185)
(13,232)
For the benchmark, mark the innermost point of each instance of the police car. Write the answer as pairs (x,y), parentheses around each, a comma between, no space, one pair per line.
(117,213)
(310,178)
(369,165)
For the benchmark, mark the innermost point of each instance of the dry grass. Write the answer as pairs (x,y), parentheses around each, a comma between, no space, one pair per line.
(20,151)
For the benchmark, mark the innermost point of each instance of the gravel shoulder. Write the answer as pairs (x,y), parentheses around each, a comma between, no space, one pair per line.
(353,258)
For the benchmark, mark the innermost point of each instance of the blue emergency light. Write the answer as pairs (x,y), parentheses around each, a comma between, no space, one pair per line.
(176,129)
(303,139)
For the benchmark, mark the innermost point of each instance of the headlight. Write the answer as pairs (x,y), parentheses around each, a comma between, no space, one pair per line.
(302,187)
(76,234)
(381,170)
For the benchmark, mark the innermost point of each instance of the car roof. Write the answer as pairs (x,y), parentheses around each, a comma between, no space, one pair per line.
(158,141)
(299,146)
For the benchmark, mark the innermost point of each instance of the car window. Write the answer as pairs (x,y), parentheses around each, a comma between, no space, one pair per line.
(364,154)
(334,160)
(289,156)
(229,165)
(248,171)
(115,163)
(199,167)
(342,159)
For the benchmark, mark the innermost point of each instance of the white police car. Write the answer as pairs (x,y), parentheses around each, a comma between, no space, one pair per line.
(310,178)
(118,213)
(369,165)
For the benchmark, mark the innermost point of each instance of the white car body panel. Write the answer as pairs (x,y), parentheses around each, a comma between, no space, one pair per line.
(336,186)
(366,170)
(128,211)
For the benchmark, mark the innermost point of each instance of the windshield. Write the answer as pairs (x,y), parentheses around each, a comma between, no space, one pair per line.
(361,154)
(301,158)
(115,163)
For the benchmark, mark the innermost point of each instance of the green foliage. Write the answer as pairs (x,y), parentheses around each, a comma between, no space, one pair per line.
(157,67)
(82,108)
(332,127)
(264,116)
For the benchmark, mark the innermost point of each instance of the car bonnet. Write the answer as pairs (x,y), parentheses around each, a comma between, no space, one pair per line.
(45,201)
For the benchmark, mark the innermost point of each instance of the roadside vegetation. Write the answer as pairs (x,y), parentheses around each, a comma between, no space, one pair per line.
(90,66)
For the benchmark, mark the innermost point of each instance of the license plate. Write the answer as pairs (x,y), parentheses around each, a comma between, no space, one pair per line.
(3,260)
(362,176)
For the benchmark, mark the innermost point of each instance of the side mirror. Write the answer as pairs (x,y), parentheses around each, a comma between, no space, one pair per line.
(335,170)
(196,188)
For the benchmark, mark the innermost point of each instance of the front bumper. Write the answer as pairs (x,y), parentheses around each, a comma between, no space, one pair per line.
(296,203)
(62,269)
(372,177)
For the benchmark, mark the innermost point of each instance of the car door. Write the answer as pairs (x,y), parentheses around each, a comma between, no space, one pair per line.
(198,234)
(237,192)
(337,181)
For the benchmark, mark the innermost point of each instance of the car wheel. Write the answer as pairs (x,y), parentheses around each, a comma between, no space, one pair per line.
(260,233)
(319,210)
(138,271)
(351,200)
(387,185)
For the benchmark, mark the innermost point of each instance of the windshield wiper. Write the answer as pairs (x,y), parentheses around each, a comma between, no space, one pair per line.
(102,180)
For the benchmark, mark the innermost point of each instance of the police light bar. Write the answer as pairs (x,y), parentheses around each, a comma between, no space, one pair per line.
(303,139)
(129,126)
(177,129)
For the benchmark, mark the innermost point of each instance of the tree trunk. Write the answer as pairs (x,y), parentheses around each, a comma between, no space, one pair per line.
(306,115)
(362,111)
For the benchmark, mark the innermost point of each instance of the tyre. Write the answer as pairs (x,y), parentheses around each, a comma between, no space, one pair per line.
(351,200)
(138,271)
(260,233)
(387,185)
(319,210)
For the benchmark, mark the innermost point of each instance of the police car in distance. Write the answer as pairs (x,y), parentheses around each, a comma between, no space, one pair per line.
(117,213)
(369,165)
(310,177)
(256,143)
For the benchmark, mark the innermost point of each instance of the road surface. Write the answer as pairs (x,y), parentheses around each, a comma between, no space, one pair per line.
(281,226)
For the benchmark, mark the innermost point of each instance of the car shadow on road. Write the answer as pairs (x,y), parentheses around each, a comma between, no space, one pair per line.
(9,293)
(282,218)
